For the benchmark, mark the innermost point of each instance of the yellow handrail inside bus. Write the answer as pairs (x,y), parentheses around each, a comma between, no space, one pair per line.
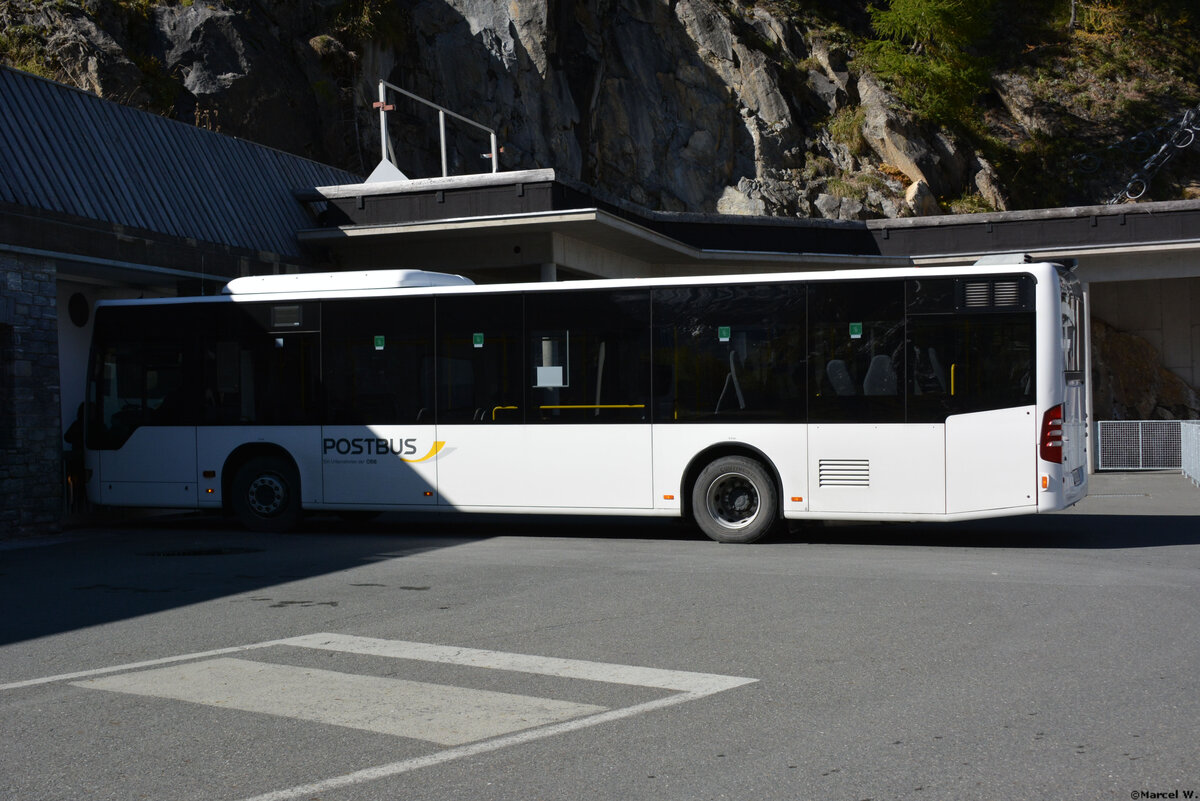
(598,406)
(501,409)
(953,371)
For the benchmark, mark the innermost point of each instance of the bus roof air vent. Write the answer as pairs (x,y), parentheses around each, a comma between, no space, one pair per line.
(996,294)
(348,281)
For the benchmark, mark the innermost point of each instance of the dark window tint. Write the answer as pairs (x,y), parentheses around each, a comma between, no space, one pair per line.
(588,356)
(378,364)
(480,366)
(142,371)
(258,368)
(856,351)
(729,353)
(969,363)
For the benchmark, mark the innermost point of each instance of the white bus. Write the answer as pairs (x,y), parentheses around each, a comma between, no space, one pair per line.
(919,394)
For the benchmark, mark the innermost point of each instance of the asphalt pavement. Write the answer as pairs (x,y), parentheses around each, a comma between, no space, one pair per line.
(445,658)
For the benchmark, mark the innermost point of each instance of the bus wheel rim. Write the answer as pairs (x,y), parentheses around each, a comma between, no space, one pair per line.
(732,500)
(266,495)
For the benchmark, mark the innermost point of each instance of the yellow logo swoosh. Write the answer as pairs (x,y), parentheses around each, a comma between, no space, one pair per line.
(433,451)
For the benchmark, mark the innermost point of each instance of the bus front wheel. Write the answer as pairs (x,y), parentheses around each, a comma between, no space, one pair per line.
(266,494)
(734,500)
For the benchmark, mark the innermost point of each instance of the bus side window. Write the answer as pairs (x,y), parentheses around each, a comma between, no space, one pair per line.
(857,350)
(968,363)
(731,352)
(589,356)
(375,355)
(479,359)
(138,384)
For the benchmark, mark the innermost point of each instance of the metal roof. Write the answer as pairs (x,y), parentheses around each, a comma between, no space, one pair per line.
(66,151)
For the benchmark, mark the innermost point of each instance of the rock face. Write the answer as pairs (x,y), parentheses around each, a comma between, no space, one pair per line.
(1130,383)
(688,105)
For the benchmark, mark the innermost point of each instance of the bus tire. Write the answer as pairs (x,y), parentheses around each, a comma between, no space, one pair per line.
(734,500)
(266,494)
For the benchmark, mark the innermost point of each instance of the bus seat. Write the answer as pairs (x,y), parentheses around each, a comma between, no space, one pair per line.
(938,372)
(881,377)
(839,377)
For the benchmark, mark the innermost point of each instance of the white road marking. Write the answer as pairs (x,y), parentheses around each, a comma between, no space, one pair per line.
(473,749)
(680,680)
(83,674)
(687,686)
(433,712)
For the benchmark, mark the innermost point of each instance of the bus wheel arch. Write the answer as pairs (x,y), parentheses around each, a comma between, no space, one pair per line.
(261,487)
(731,493)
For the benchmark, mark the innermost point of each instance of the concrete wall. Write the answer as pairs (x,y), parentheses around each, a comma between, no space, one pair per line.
(31,445)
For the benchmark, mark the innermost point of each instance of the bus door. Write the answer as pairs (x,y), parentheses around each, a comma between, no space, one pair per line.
(142,447)
(552,414)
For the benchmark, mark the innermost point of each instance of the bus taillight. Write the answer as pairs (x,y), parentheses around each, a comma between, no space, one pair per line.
(1050,446)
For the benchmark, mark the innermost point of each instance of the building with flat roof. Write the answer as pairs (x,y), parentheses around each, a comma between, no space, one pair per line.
(98,200)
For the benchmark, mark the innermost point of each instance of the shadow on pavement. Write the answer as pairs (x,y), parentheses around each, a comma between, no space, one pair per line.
(1031,531)
(152,564)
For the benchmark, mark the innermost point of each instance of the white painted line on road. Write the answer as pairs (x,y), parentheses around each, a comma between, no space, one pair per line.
(83,674)
(474,749)
(432,712)
(680,680)
(687,686)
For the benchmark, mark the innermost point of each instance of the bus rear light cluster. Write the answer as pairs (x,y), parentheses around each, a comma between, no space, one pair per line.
(1050,444)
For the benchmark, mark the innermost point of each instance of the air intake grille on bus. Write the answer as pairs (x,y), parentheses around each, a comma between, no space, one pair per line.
(999,294)
(844,473)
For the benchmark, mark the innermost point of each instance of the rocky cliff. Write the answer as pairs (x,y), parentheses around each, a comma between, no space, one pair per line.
(736,106)
(1130,383)
(699,105)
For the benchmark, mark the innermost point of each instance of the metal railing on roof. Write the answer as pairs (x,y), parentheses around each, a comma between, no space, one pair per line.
(386,145)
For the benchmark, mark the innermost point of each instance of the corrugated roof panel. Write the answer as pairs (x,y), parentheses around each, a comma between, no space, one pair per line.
(114,190)
(158,190)
(108,144)
(64,173)
(39,180)
(185,162)
(130,153)
(69,151)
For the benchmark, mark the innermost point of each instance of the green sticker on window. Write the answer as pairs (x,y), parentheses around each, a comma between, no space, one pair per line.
(723,333)
(378,343)
(477,340)
(856,330)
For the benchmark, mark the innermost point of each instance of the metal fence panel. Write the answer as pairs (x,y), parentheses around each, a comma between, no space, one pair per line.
(1138,445)
(1189,443)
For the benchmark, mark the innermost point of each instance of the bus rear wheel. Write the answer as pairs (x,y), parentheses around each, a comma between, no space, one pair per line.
(734,500)
(266,494)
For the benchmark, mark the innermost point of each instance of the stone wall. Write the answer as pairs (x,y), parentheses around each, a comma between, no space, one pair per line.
(31,445)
